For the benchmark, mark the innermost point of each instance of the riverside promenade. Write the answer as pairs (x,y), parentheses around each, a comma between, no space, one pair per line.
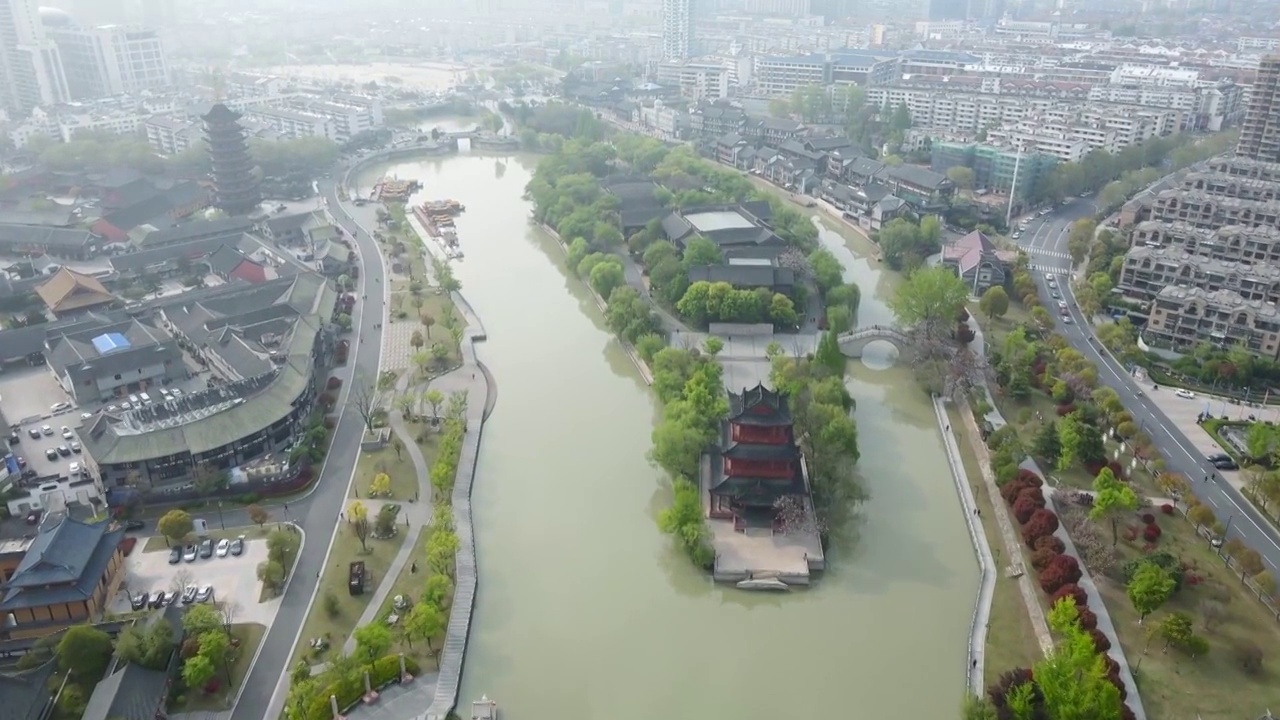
(975,666)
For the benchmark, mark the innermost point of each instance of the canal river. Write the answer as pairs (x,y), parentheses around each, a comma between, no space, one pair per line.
(585,612)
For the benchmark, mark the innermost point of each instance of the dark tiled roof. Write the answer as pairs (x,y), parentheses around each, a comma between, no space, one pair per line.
(46,236)
(759,406)
(197,229)
(64,563)
(918,176)
(26,694)
(744,276)
(132,692)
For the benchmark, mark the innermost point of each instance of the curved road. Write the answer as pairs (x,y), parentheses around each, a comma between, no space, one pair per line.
(1045,240)
(263,693)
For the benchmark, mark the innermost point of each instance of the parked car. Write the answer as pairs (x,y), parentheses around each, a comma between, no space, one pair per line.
(1226,464)
(66,433)
(14,438)
(33,517)
(64,451)
(75,446)
(46,430)
(189,553)
(158,601)
(204,594)
(51,454)
(177,392)
(175,555)
(139,602)
(134,525)
(224,546)
(189,594)
(1185,393)
(85,416)
(237,546)
(59,407)
(34,433)
(206,548)
(173,598)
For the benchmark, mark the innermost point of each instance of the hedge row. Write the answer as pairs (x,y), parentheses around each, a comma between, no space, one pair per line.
(350,690)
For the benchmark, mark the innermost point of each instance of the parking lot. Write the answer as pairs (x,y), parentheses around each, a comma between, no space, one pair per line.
(233,579)
(28,392)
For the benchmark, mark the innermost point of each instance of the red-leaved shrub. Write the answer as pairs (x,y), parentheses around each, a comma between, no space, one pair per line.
(1035,493)
(1041,557)
(1116,469)
(1066,409)
(1030,477)
(1049,541)
(999,690)
(1010,490)
(1100,641)
(1093,467)
(1062,570)
(1148,518)
(1167,509)
(1088,620)
(1042,522)
(1025,506)
(1151,533)
(1126,713)
(1073,591)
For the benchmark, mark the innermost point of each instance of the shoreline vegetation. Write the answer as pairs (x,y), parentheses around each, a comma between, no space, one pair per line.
(569,198)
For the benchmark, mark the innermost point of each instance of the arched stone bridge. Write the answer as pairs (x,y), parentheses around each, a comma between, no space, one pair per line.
(854,342)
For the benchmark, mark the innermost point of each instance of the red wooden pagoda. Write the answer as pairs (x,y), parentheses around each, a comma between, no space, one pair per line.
(758,463)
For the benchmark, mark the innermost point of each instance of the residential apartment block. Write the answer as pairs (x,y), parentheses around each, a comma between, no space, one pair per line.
(783,75)
(697,81)
(1182,317)
(1148,270)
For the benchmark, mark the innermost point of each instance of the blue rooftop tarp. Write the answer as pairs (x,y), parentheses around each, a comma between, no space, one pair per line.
(110,342)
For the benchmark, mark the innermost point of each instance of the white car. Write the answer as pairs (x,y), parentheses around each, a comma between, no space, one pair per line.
(66,433)
(85,416)
(59,407)
(46,430)
(224,546)
(74,469)
(1183,393)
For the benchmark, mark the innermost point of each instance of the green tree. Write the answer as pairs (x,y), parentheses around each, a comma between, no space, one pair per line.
(1111,499)
(1072,678)
(424,622)
(216,647)
(1046,445)
(963,177)
(930,299)
(200,619)
(175,525)
(84,652)
(434,399)
(977,708)
(994,302)
(1149,588)
(685,521)
(1176,630)
(197,671)
(372,641)
(701,251)
(712,345)
(828,353)
(606,276)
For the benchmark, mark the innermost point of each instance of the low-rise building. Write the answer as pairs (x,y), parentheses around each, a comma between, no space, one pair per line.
(68,292)
(111,361)
(66,576)
(977,261)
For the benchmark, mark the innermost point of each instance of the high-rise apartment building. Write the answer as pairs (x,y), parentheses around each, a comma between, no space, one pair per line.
(1260,134)
(30,66)
(677,29)
(110,60)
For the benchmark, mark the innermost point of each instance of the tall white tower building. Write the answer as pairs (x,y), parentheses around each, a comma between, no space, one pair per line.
(110,59)
(30,66)
(677,29)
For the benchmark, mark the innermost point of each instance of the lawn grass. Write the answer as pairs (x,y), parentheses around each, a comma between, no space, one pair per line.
(1011,638)
(158,543)
(1212,687)
(333,582)
(404,479)
(410,584)
(250,636)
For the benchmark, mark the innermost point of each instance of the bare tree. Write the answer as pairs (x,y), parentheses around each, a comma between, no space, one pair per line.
(230,611)
(364,397)
(181,580)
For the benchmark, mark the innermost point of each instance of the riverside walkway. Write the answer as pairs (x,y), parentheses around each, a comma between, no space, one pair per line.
(976,665)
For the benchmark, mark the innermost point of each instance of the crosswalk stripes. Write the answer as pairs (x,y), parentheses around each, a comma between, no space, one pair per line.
(1050,253)
(1038,267)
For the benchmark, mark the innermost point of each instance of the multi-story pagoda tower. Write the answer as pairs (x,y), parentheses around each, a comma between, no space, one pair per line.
(235,181)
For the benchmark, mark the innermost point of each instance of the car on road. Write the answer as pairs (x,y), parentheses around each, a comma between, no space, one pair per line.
(175,555)
(237,546)
(206,548)
(1066,320)
(1185,393)
(1225,464)
(59,407)
(1054,294)
(189,595)
(138,602)
(224,546)
(204,594)
(190,553)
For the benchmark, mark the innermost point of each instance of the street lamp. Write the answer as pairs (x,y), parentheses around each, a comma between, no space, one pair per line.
(222,522)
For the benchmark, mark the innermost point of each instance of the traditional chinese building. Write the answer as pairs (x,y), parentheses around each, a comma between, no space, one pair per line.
(758,469)
(235,180)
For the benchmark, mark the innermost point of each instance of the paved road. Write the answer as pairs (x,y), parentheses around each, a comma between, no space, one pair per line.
(263,693)
(1180,453)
